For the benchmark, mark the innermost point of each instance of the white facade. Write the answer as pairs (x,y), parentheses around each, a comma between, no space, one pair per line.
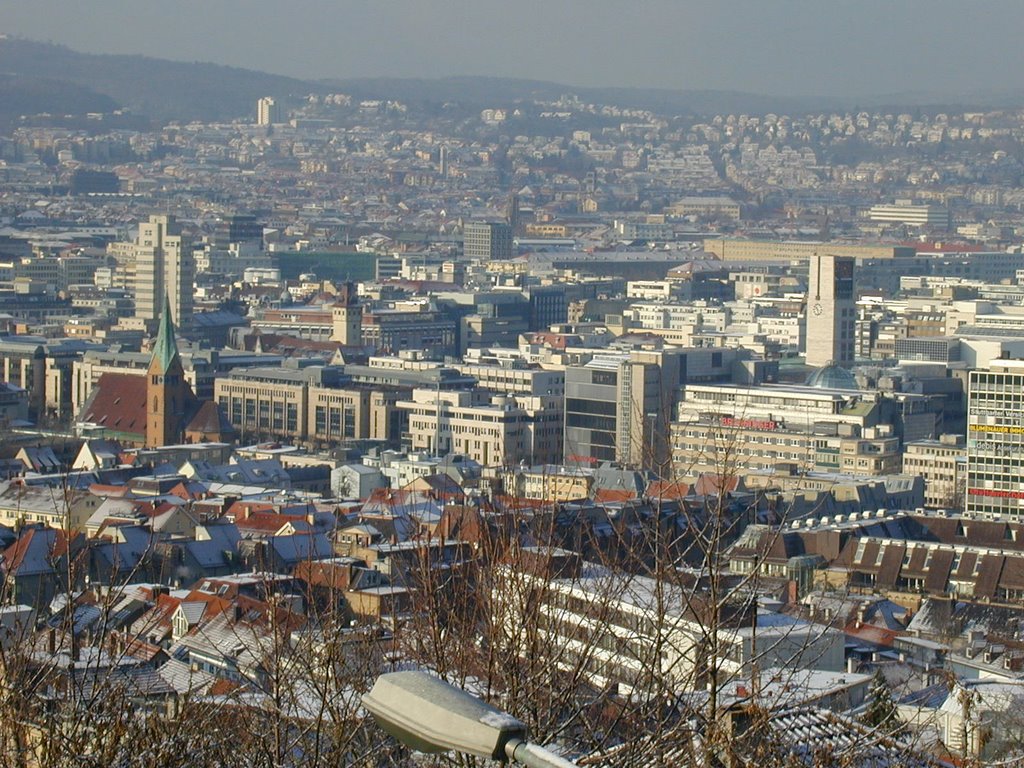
(163,265)
(496,430)
(911,215)
(995,440)
(515,381)
(268,111)
(621,627)
(831,311)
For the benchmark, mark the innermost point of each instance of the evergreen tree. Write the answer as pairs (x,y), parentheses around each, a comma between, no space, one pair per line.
(882,712)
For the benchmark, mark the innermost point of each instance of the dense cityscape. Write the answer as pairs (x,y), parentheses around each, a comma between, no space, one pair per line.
(682,439)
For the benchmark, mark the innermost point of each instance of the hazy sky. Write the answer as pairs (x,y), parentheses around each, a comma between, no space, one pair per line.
(786,47)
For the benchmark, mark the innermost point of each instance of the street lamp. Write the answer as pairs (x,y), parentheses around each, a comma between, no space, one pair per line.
(429,715)
(652,418)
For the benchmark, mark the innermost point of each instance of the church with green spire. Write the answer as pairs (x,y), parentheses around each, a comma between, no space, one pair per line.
(157,409)
(168,396)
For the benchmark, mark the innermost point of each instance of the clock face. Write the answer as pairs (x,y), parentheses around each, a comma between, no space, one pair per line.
(817,309)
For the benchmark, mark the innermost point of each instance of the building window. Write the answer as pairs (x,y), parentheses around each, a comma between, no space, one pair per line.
(861,546)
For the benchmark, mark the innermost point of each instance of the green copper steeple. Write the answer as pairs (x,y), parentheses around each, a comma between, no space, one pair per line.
(165,349)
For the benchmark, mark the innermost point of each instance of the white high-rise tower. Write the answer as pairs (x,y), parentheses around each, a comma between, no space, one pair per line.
(268,111)
(831,311)
(163,265)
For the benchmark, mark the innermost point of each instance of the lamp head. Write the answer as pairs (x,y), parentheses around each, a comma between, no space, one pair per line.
(429,715)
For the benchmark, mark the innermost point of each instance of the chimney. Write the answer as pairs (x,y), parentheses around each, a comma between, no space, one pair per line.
(792,592)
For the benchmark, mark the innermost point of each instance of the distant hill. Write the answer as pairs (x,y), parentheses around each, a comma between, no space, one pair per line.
(170,90)
(22,94)
(493,91)
(496,91)
(160,89)
(41,77)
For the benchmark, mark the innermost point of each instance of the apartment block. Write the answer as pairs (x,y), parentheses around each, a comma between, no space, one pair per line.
(494,430)
(995,440)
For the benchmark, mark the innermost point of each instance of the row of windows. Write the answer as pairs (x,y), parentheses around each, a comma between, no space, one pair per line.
(585,421)
(504,417)
(335,422)
(597,407)
(275,416)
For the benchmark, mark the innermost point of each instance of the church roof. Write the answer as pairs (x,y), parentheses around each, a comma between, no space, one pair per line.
(118,404)
(165,348)
(210,420)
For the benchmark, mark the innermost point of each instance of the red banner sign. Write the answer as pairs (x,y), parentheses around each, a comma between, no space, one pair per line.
(728,421)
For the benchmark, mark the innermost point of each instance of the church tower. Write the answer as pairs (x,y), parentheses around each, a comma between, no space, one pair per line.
(347,316)
(168,395)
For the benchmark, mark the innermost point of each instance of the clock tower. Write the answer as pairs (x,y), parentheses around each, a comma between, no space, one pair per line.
(831,313)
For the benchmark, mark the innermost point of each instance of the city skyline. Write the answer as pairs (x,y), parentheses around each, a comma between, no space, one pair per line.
(786,48)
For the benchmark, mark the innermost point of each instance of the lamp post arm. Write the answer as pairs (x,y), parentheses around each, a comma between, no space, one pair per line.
(533,756)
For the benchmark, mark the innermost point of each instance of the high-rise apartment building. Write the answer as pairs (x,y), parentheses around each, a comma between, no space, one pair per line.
(831,311)
(164,265)
(268,111)
(487,240)
(995,440)
(442,161)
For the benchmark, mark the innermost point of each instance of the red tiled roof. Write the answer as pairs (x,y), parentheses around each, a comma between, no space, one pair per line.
(118,403)
(267,522)
(871,633)
(557,341)
(137,648)
(222,686)
(613,494)
(709,484)
(183,491)
(242,509)
(210,420)
(666,489)
(15,554)
(391,496)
